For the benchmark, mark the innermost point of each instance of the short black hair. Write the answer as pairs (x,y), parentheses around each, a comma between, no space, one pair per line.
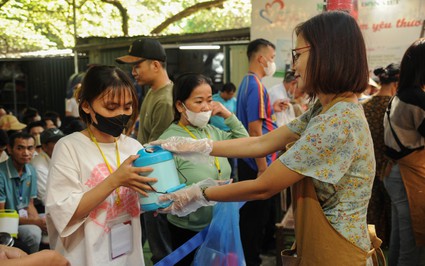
(19,135)
(28,114)
(51,115)
(228,87)
(255,45)
(40,123)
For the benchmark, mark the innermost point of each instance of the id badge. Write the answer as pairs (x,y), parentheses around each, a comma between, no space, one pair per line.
(20,205)
(23,213)
(121,239)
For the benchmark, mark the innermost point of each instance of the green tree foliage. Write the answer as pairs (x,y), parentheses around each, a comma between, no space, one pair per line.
(28,25)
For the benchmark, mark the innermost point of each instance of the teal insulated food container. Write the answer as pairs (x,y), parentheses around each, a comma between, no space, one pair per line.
(164,169)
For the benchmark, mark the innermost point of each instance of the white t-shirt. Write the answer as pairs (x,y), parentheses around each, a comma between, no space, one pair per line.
(278,92)
(71,106)
(76,167)
(41,163)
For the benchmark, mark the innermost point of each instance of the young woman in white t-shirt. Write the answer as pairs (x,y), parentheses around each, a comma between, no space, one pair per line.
(93,189)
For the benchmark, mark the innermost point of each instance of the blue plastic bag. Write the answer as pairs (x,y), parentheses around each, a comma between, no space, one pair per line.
(222,245)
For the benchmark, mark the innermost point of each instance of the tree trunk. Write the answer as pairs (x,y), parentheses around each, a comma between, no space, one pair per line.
(187,12)
(123,12)
(3,2)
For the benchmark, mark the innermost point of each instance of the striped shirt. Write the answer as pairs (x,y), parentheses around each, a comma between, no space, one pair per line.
(253,103)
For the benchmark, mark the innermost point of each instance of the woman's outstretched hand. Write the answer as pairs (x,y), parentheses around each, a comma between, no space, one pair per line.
(190,199)
(183,145)
(187,200)
(194,150)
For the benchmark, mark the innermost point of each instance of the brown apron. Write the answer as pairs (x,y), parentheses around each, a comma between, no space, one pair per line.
(317,242)
(412,169)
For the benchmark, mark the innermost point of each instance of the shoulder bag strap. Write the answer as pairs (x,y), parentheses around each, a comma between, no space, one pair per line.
(402,147)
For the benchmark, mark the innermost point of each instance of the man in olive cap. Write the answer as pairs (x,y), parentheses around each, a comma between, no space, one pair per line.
(148,60)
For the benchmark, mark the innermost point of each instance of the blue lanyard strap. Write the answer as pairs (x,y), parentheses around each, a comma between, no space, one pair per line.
(18,183)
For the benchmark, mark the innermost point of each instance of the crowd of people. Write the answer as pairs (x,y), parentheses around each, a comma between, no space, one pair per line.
(353,156)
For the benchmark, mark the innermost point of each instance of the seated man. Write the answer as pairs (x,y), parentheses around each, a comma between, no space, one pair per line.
(41,161)
(18,188)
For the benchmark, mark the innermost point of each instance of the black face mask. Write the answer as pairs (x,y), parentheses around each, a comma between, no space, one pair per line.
(113,126)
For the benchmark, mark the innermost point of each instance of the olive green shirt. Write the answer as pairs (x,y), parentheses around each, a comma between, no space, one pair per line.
(156,113)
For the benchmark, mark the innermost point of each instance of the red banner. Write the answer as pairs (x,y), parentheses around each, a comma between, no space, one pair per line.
(348,5)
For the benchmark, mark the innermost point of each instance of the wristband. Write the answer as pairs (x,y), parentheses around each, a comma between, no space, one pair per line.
(203,193)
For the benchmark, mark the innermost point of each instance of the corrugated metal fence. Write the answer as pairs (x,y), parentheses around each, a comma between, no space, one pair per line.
(44,82)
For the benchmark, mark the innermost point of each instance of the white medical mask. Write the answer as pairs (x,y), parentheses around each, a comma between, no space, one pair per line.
(270,68)
(198,119)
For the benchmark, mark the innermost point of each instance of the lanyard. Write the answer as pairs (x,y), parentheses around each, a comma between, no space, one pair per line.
(117,190)
(216,162)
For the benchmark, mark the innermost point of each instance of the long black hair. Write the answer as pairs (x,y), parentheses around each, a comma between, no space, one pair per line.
(412,69)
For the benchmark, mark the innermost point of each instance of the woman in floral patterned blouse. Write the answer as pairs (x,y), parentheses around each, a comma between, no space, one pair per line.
(333,148)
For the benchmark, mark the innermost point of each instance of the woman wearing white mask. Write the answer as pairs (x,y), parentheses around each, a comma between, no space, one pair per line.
(192,99)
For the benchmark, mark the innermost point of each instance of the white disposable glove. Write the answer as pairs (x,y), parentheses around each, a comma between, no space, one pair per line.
(195,150)
(188,200)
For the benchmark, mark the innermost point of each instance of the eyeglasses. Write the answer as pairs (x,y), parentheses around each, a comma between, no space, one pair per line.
(296,55)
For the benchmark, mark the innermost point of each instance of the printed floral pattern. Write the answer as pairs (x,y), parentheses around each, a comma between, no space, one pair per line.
(129,199)
(336,150)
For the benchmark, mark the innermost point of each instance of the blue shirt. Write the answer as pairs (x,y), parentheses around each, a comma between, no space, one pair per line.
(253,103)
(16,191)
(230,105)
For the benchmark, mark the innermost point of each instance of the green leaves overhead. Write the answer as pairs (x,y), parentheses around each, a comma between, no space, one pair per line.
(28,25)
